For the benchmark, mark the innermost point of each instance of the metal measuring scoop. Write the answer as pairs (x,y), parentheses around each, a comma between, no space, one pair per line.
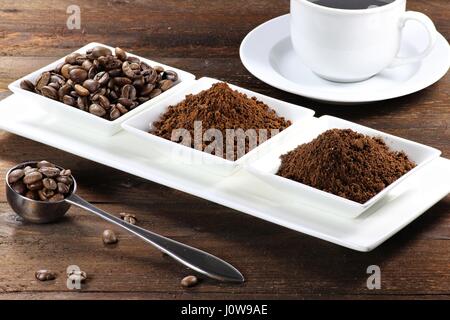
(44,212)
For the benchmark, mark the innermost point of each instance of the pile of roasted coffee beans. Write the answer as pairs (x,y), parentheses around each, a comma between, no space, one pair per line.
(102,83)
(44,182)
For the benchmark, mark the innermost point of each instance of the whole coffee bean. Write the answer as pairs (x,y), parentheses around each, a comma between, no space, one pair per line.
(19,187)
(102,78)
(128,92)
(27,85)
(121,81)
(151,76)
(82,103)
(109,237)
(65,179)
(71,58)
(50,92)
(92,72)
(29,169)
(43,80)
(35,186)
(189,281)
(125,102)
(147,89)
(104,102)
(86,65)
(97,110)
(49,183)
(82,91)
(32,177)
(165,85)
(100,51)
(56,197)
(32,195)
(170,75)
(69,100)
(120,53)
(45,275)
(121,108)
(63,188)
(44,195)
(78,75)
(154,93)
(91,84)
(15,175)
(49,172)
(53,85)
(114,113)
(64,90)
(115,72)
(66,172)
(65,71)
(56,78)
(127,70)
(45,164)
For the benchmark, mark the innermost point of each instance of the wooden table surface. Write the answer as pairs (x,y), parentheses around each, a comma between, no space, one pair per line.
(203,37)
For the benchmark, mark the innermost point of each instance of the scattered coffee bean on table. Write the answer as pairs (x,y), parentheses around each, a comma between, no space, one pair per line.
(45,275)
(44,182)
(189,281)
(102,83)
(128,217)
(222,108)
(345,163)
(109,237)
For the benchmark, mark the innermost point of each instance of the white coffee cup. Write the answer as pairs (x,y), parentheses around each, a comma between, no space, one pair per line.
(345,45)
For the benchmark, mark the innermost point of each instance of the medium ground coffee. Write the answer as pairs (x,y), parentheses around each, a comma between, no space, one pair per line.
(345,163)
(220,108)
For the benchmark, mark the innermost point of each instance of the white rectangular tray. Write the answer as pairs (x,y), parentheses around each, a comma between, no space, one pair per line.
(242,191)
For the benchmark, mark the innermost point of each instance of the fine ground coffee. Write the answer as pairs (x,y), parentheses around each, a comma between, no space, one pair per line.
(220,108)
(345,163)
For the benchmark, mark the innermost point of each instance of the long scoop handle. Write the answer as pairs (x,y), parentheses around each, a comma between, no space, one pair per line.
(193,258)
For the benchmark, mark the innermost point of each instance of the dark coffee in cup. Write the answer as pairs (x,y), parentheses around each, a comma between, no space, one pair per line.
(352,4)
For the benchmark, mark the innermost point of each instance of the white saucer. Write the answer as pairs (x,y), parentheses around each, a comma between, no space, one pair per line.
(268,54)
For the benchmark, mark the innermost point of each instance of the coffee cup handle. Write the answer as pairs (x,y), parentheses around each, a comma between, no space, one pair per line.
(432,35)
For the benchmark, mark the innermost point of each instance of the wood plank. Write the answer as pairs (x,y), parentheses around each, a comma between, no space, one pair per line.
(275,261)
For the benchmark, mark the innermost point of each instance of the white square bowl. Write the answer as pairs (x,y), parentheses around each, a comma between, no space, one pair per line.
(266,167)
(85,120)
(140,124)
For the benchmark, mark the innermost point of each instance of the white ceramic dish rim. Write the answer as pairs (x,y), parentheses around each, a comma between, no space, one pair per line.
(366,205)
(276,80)
(209,157)
(15,86)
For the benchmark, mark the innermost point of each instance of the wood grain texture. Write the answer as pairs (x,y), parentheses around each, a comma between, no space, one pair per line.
(203,37)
